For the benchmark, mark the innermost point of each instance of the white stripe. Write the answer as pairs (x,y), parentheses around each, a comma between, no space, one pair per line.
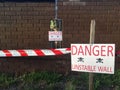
(48,52)
(2,54)
(14,53)
(65,51)
(30,53)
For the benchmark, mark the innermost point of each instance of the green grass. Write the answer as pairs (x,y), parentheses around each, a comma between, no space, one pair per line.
(29,79)
(49,80)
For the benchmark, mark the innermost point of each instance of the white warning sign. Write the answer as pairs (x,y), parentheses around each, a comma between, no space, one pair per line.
(55,35)
(95,58)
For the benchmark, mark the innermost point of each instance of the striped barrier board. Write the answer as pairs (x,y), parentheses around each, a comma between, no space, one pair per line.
(38,52)
(35,52)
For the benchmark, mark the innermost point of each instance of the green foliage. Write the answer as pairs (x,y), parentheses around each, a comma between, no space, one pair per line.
(108,80)
(116,78)
(29,79)
(82,79)
(100,80)
(74,81)
(69,86)
(37,80)
(6,80)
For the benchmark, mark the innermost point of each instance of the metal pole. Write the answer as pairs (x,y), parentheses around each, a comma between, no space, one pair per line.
(56,9)
(54,44)
(56,17)
(92,37)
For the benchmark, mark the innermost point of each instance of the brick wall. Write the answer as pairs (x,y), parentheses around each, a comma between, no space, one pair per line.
(25,25)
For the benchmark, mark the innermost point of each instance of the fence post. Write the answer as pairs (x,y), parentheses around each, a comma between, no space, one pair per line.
(92,38)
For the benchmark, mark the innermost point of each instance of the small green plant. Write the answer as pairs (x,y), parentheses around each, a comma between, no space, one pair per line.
(32,80)
(49,77)
(82,79)
(69,86)
(77,81)
(6,80)
(108,80)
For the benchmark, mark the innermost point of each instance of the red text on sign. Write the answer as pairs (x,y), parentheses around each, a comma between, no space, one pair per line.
(92,50)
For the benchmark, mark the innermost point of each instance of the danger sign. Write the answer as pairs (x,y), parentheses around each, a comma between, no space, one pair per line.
(96,58)
(55,35)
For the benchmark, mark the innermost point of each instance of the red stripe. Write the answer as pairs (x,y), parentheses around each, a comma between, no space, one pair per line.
(8,54)
(57,52)
(68,49)
(39,52)
(22,52)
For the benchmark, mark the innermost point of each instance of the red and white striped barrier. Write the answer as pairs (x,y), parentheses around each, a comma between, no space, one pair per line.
(38,52)
(35,52)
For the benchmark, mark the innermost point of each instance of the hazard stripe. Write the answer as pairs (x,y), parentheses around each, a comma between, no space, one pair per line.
(34,52)
(68,49)
(57,52)
(14,52)
(2,54)
(8,54)
(30,52)
(48,52)
(22,52)
(39,52)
